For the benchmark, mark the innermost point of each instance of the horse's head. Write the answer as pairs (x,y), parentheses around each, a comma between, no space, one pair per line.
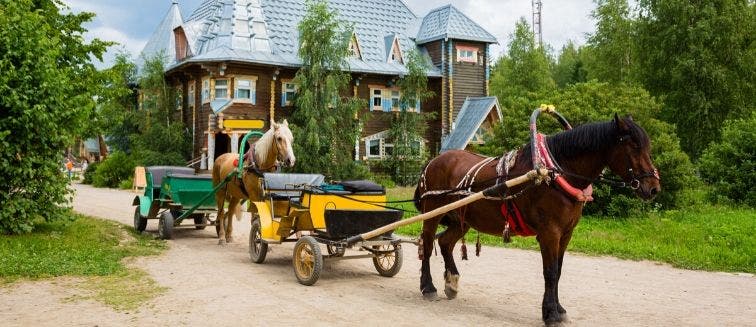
(284,140)
(631,158)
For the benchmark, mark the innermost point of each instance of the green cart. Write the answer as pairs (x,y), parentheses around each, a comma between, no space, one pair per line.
(173,195)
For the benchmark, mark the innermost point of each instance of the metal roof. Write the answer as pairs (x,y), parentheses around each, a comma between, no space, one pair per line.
(265,32)
(448,22)
(474,111)
(162,40)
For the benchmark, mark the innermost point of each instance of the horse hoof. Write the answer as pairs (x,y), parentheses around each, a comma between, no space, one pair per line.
(451,294)
(229,239)
(430,296)
(222,242)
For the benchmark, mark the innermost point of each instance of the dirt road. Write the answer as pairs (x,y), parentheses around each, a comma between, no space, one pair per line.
(213,285)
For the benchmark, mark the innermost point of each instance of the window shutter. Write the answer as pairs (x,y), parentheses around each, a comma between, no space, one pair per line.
(417,105)
(386,103)
(253,94)
(283,98)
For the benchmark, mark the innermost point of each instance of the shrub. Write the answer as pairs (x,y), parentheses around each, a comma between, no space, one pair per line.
(730,164)
(90,172)
(116,168)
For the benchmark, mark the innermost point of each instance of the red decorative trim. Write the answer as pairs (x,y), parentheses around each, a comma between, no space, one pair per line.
(518,224)
(585,195)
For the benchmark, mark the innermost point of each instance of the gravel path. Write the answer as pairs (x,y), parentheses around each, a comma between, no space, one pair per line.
(213,285)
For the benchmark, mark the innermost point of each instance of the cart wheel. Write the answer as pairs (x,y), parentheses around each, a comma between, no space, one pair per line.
(335,251)
(200,220)
(308,262)
(165,225)
(389,263)
(140,222)
(257,247)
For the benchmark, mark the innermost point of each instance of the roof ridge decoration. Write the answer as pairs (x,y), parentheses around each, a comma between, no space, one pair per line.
(163,40)
(448,22)
(232,24)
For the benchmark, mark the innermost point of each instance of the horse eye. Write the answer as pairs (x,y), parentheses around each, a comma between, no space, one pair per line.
(280,139)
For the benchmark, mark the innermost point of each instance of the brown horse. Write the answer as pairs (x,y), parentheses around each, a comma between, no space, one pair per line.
(274,147)
(547,211)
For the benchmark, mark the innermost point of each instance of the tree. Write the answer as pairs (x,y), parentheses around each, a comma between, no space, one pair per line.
(700,56)
(325,124)
(612,46)
(569,68)
(518,79)
(48,87)
(408,128)
(117,116)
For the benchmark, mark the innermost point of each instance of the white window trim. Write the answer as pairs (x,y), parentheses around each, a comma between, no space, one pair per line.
(252,89)
(373,107)
(473,58)
(288,102)
(383,144)
(226,87)
(205,96)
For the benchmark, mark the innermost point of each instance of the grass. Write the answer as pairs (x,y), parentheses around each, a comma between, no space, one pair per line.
(84,247)
(714,238)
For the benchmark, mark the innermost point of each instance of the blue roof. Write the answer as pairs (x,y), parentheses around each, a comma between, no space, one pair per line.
(265,32)
(448,22)
(162,40)
(474,111)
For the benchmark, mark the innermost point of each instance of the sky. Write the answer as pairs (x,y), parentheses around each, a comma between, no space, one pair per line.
(131,23)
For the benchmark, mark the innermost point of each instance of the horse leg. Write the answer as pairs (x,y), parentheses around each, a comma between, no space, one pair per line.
(428,236)
(550,246)
(446,242)
(563,242)
(220,200)
(233,204)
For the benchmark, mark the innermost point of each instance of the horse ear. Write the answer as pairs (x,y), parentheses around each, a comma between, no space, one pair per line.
(273,124)
(286,123)
(629,117)
(620,123)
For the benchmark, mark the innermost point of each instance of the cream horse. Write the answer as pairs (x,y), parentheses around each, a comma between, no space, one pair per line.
(272,149)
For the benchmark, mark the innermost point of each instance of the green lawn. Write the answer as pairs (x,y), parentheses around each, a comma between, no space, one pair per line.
(707,237)
(86,247)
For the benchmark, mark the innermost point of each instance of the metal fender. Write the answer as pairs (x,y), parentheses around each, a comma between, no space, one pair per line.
(267,231)
(144,204)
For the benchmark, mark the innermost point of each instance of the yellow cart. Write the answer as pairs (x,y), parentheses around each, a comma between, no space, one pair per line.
(297,204)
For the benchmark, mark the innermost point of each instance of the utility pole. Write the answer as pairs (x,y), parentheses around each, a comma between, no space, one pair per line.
(537,26)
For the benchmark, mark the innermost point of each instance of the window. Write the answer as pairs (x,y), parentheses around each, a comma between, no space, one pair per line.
(395,100)
(354,47)
(388,149)
(245,90)
(221,89)
(179,97)
(467,54)
(190,99)
(374,148)
(377,99)
(205,90)
(288,92)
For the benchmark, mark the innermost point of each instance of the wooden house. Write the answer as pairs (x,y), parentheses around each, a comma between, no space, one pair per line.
(233,62)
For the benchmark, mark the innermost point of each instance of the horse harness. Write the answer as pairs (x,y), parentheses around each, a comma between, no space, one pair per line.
(253,168)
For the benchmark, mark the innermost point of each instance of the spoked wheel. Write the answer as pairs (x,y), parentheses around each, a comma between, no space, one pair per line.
(308,261)
(257,247)
(200,219)
(388,260)
(165,225)
(140,222)
(335,251)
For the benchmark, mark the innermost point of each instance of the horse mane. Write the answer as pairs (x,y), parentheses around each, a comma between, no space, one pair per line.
(590,138)
(262,145)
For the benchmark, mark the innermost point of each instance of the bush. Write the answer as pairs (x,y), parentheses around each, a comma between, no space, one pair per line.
(127,184)
(90,172)
(730,164)
(115,169)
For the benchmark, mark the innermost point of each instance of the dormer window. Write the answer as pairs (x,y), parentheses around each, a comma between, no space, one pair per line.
(395,51)
(354,47)
(182,44)
(221,89)
(467,54)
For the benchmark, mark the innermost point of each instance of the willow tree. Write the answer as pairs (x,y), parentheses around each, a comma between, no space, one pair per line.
(325,127)
(408,128)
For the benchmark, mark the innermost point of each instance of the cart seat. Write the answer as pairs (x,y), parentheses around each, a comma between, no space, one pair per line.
(286,186)
(192,176)
(158,172)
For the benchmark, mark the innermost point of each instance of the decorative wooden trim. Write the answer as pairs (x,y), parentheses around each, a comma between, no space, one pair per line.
(272,99)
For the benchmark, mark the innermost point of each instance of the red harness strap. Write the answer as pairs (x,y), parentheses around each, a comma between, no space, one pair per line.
(585,195)
(515,220)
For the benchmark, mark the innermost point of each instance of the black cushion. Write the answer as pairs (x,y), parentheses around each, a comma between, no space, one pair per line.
(362,186)
(158,172)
